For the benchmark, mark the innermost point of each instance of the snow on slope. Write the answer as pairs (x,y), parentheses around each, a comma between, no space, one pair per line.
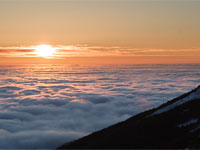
(192,96)
(188,123)
(195,129)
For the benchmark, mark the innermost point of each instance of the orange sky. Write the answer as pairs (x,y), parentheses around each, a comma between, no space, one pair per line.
(100,31)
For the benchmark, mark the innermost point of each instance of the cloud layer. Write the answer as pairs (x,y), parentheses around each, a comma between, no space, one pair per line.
(43,106)
(63,51)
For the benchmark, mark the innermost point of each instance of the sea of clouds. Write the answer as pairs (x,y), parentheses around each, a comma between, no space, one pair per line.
(44,106)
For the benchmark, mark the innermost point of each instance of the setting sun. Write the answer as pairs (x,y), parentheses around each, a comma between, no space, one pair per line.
(45,51)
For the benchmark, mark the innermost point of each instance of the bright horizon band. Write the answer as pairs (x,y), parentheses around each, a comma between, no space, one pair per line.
(101,31)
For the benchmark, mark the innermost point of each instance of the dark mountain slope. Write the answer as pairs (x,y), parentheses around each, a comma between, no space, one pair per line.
(175,124)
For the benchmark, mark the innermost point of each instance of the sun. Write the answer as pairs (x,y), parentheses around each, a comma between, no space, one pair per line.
(45,51)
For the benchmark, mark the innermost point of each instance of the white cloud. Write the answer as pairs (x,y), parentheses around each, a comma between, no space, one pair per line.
(43,108)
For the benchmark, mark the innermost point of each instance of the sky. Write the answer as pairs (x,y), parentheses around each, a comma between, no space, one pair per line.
(101,31)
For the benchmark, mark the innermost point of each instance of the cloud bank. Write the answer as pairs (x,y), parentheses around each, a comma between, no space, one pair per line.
(43,106)
(63,51)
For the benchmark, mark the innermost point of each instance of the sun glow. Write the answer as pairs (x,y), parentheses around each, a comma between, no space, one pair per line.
(45,51)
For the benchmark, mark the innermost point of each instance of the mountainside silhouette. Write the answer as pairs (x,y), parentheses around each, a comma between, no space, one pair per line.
(175,124)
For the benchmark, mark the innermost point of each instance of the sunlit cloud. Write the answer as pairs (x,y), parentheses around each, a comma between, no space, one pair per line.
(78,101)
(62,51)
